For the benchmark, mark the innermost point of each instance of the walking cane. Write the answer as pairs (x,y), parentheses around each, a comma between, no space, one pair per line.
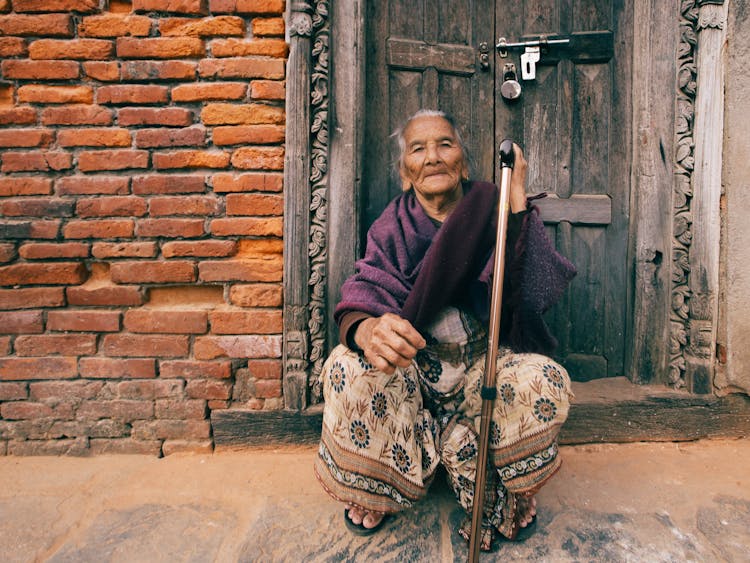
(488,393)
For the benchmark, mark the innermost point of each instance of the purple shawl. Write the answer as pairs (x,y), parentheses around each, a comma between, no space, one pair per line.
(414,268)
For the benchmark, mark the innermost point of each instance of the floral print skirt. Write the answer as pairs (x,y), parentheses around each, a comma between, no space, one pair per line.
(384,435)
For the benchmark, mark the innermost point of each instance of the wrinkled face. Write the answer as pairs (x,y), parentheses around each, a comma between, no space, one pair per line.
(433,161)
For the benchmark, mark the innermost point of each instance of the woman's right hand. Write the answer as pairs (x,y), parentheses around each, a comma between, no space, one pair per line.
(388,342)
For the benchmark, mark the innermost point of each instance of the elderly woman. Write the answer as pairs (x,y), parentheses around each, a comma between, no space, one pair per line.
(402,389)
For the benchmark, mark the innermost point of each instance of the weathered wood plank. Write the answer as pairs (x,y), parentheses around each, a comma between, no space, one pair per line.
(577,209)
(418,55)
(604,410)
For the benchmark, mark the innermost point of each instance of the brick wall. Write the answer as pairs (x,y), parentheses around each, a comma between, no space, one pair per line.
(141,164)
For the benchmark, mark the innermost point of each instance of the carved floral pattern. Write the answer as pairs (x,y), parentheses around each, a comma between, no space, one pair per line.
(318,243)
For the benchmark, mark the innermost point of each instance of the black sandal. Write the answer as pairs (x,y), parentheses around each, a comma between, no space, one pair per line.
(359,529)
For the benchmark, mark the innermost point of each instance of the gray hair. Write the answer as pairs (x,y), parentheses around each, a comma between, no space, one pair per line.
(398,134)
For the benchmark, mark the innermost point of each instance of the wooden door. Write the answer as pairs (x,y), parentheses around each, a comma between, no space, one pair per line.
(572,122)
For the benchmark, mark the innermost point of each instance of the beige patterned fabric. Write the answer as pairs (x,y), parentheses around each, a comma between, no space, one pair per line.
(384,435)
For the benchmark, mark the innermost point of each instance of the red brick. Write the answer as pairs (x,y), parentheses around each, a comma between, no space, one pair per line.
(171,429)
(95,137)
(24,410)
(132,94)
(187,136)
(184,205)
(142,389)
(177,6)
(123,206)
(52,367)
(4,346)
(160,48)
(260,6)
(21,69)
(88,49)
(255,204)
(170,228)
(169,184)
(265,369)
(13,391)
(56,25)
(159,70)
(245,322)
(58,273)
(105,296)
(70,391)
(240,271)
(114,228)
(203,248)
(267,90)
(104,446)
(125,410)
(222,6)
(6,94)
(249,47)
(89,185)
(246,346)
(196,447)
(248,134)
(82,114)
(29,229)
(247,182)
(91,161)
(31,297)
(103,71)
(27,185)
(21,322)
(263,27)
(12,47)
(191,159)
(255,295)
(43,250)
(208,389)
(205,27)
(180,409)
(267,388)
(153,272)
(37,207)
(7,252)
(109,368)
(85,6)
(203,91)
(83,321)
(56,344)
(18,115)
(38,94)
(175,117)
(25,137)
(241,114)
(215,405)
(242,67)
(167,322)
(111,25)
(247,226)
(142,345)
(190,369)
(259,158)
(124,249)
(56,447)
(42,161)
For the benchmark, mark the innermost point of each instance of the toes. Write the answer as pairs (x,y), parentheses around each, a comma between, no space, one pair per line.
(356,515)
(372,519)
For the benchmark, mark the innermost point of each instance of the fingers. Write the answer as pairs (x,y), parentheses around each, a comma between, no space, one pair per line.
(389,342)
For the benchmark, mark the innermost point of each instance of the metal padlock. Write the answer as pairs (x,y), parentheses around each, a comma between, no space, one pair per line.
(529,58)
(510,89)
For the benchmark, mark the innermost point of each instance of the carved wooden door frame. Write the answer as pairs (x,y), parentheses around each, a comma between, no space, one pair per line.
(675,186)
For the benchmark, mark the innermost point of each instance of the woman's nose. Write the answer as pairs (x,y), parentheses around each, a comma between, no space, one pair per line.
(432,154)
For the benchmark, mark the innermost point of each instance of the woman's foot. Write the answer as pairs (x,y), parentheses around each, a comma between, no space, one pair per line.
(526,511)
(363,522)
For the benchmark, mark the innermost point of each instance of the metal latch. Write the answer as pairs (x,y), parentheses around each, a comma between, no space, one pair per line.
(531,54)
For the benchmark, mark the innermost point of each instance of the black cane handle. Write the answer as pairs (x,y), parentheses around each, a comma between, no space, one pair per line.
(507,155)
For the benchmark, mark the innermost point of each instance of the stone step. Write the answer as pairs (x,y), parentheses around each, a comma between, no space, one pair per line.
(604,410)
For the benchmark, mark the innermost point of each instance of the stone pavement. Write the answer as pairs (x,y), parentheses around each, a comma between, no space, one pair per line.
(629,502)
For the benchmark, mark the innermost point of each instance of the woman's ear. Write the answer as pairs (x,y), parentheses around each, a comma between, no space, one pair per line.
(464,172)
(405,182)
